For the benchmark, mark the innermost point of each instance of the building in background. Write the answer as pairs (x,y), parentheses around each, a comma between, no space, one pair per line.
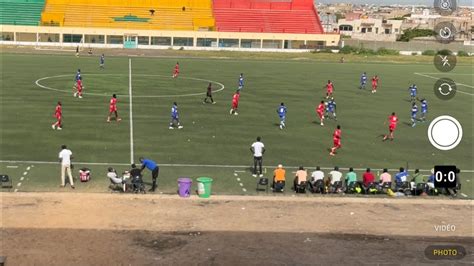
(372,29)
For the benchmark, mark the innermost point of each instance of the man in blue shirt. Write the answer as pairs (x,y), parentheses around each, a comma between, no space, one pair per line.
(241,81)
(413,92)
(363,81)
(175,117)
(401,177)
(153,167)
(414,112)
(281,110)
(424,109)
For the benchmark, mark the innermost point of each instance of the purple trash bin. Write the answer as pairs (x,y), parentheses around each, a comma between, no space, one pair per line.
(184,187)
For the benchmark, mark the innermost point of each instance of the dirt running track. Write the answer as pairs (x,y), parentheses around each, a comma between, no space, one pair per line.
(113,229)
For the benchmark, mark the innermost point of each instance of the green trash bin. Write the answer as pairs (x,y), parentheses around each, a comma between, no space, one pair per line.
(204,187)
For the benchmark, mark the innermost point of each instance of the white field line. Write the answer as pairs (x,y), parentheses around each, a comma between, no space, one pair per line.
(131,108)
(215,166)
(23,178)
(465,85)
(240,181)
(12,166)
(447,74)
(222,87)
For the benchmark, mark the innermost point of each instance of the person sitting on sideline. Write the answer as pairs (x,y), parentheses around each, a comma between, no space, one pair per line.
(351,177)
(335,175)
(368,178)
(134,172)
(317,175)
(430,181)
(114,179)
(401,177)
(417,179)
(300,177)
(279,178)
(385,177)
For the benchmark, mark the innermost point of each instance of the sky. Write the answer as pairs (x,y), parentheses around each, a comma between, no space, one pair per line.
(389,2)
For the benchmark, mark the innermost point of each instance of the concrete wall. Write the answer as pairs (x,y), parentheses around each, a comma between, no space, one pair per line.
(411,46)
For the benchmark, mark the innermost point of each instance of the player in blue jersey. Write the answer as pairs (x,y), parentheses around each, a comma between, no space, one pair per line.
(78,75)
(175,117)
(102,61)
(281,110)
(413,92)
(424,110)
(363,81)
(331,109)
(414,112)
(241,81)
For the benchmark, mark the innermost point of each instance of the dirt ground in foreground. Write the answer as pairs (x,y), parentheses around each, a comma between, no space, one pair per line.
(112,229)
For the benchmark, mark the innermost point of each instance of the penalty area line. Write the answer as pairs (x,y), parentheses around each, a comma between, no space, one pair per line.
(457,83)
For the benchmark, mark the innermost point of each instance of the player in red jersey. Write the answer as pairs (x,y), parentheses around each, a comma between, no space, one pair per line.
(78,86)
(336,137)
(176,70)
(113,109)
(375,83)
(320,112)
(58,113)
(392,120)
(329,89)
(235,103)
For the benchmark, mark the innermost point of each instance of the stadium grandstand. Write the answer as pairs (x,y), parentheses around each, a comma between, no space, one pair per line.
(227,24)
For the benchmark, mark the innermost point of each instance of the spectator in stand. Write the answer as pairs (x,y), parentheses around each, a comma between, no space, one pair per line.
(300,177)
(279,177)
(351,177)
(368,178)
(385,177)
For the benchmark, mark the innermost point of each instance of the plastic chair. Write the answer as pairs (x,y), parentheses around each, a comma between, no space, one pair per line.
(6,181)
(318,186)
(263,181)
(301,187)
(279,186)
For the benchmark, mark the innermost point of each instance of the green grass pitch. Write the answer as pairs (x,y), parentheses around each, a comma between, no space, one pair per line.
(216,143)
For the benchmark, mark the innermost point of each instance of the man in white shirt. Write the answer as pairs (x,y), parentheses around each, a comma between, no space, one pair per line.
(317,175)
(335,175)
(257,149)
(65,157)
(112,175)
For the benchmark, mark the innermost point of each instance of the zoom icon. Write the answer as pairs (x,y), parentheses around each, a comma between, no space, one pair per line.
(445,89)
